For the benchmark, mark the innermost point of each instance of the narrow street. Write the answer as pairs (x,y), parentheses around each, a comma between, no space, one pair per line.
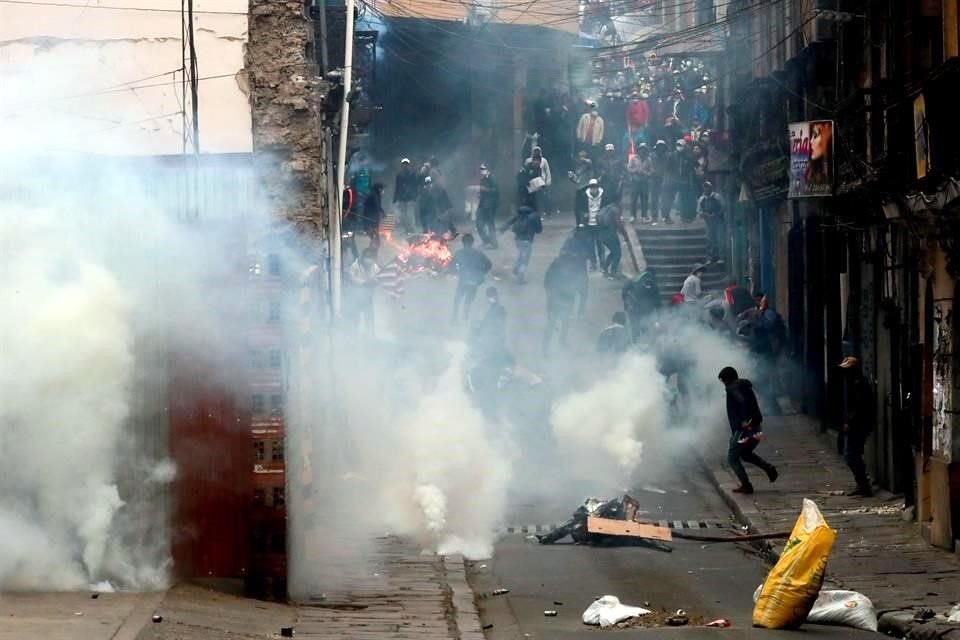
(708,581)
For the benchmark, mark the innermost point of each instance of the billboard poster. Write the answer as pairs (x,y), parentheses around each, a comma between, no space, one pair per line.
(921,134)
(811,159)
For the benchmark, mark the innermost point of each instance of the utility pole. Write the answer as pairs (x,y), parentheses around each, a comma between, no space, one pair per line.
(336,257)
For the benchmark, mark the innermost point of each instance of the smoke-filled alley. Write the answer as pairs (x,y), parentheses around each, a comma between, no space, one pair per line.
(351,319)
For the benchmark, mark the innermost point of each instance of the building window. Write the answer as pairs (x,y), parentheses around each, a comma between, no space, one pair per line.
(278,543)
(276,451)
(256,358)
(276,359)
(259,450)
(273,312)
(274,266)
(706,12)
(276,405)
(279,499)
(259,497)
(257,405)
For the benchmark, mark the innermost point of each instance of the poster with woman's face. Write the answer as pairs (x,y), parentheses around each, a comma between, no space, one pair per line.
(811,159)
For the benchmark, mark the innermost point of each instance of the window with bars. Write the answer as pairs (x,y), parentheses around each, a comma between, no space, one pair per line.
(259,450)
(276,451)
(257,404)
(273,312)
(279,497)
(276,358)
(274,266)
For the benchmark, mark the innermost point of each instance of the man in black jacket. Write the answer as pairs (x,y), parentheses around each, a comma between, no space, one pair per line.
(487,208)
(746,427)
(472,267)
(405,192)
(526,224)
(858,423)
(566,278)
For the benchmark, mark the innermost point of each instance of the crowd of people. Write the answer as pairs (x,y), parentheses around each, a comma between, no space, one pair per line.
(423,209)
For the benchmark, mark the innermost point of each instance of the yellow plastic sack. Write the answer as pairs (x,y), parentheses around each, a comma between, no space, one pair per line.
(793,584)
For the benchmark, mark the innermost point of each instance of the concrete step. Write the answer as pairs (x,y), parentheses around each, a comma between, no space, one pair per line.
(669,231)
(676,255)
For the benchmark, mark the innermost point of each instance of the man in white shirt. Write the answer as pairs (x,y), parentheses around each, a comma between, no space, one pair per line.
(692,290)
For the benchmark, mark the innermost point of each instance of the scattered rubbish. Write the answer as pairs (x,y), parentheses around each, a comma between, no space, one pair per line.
(157,618)
(646,603)
(678,621)
(835,492)
(500,592)
(286,632)
(533,538)
(608,611)
(94,596)
(610,523)
(550,613)
(78,613)
(483,566)
(488,626)
(681,613)
(791,587)
(557,604)
(887,510)
(841,608)
(722,623)
(922,615)
(651,489)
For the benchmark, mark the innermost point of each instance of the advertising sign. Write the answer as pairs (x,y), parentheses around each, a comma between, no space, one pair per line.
(921,135)
(811,159)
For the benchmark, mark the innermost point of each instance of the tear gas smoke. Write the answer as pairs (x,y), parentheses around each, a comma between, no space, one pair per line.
(611,417)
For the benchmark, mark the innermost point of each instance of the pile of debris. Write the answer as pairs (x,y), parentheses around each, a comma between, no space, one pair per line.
(610,523)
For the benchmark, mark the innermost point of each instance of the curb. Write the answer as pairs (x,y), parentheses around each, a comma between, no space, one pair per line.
(465,614)
(746,512)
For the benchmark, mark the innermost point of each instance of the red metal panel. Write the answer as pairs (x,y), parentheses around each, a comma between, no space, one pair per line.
(210,442)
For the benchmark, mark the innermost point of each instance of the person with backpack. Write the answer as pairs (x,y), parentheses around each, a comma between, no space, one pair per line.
(526,224)
(472,267)
(746,429)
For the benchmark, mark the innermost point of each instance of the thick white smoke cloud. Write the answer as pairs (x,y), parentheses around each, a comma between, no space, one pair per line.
(67,363)
(608,421)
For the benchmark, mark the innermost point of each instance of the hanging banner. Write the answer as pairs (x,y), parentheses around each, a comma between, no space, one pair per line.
(921,135)
(811,159)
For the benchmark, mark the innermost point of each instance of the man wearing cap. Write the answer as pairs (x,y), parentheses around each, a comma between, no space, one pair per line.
(405,191)
(858,423)
(639,169)
(487,208)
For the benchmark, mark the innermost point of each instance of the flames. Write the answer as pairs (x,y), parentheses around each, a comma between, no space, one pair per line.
(422,252)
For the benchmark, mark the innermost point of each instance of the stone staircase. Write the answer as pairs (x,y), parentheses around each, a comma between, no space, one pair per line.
(672,250)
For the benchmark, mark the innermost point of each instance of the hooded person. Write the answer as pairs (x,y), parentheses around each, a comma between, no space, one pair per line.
(373,214)
(526,224)
(405,191)
(858,423)
(658,169)
(673,180)
(611,226)
(612,175)
(587,206)
(746,429)
(590,128)
(542,167)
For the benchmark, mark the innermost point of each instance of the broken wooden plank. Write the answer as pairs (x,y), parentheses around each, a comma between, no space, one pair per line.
(627,528)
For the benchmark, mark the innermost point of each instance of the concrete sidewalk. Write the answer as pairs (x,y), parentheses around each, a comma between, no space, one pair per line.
(406,595)
(877,552)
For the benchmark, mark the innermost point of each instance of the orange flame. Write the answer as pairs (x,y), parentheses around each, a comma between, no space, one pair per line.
(429,250)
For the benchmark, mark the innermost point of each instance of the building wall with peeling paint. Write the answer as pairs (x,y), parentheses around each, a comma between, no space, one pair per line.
(104,79)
